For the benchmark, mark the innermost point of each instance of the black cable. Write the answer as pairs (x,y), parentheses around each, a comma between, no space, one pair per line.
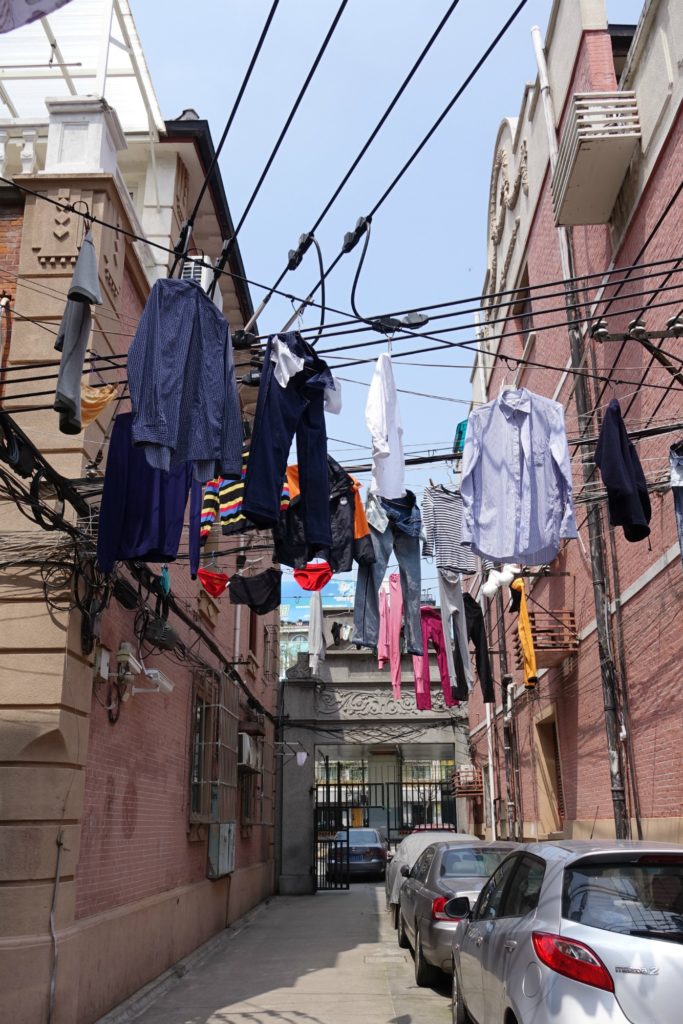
(449,106)
(371,138)
(290,118)
(184,239)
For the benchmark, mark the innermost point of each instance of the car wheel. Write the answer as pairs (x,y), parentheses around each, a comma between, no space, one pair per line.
(425,974)
(401,936)
(460,1015)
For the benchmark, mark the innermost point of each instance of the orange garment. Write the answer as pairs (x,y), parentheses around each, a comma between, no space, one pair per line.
(94,400)
(525,637)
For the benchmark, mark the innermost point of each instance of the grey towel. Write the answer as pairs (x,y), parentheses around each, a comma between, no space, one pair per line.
(73,335)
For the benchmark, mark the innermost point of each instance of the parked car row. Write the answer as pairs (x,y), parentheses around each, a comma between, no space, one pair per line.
(546,933)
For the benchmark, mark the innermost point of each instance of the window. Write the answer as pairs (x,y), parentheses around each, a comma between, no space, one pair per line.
(253,633)
(251,794)
(213,754)
(491,898)
(525,889)
(644,898)
(423,865)
(470,863)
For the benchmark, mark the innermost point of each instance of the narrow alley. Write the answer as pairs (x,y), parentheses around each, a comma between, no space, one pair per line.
(331,958)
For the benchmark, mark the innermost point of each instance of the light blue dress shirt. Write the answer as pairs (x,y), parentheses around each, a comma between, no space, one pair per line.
(517,480)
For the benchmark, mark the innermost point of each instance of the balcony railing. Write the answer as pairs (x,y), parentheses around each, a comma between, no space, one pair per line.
(601,133)
(467,780)
(554,636)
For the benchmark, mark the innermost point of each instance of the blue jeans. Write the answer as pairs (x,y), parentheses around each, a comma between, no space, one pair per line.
(280,414)
(366,608)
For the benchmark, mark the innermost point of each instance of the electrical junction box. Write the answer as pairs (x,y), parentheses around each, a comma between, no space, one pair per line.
(221,849)
(102,663)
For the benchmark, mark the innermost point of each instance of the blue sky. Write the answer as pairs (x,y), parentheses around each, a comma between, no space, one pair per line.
(428,243)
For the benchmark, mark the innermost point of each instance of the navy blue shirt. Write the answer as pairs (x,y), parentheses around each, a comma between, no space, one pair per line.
(623,477)
(143,509)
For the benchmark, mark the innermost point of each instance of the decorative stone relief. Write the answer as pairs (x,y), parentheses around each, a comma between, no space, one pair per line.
(504,196)
(56,234)
(182,191)
(112,251)
(369,704)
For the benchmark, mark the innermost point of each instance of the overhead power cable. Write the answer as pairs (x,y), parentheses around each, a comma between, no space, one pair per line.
(281,136)
(357,234)
(303,241)
(186,230)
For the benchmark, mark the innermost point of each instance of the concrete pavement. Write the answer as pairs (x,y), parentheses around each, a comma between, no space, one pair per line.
(331,958)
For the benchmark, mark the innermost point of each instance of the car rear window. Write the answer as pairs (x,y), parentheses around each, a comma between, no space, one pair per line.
(358,836)
(643,898)
(470,863)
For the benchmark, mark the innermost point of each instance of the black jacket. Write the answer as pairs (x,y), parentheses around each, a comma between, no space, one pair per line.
(291,546)
(622,475)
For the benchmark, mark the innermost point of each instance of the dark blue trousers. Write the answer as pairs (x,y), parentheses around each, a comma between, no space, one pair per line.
(280,414)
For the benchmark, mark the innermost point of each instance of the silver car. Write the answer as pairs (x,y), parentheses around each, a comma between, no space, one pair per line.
(407,852)
(571,932)
(442,871)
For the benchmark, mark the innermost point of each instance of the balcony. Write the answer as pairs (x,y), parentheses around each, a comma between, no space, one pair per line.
(467,781)
(554,636)
(600,136)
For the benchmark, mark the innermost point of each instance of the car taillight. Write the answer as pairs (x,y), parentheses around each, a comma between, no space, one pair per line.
(572,959)
(438,912)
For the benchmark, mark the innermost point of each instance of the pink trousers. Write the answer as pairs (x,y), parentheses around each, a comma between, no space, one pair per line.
(432,629)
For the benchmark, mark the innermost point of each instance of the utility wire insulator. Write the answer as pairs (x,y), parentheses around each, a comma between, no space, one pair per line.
(352,238)
(296,255)
(600,330)
(638,330)
(674,325)
(242,340)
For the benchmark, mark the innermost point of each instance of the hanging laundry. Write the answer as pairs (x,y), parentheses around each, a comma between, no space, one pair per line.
(676,464)
(350,533)
(498,578)
(516,482)
(214,583)
(476,632)
(442,518)
(432,632)
(143,509)
(616,458)
(282,412)
(182,383)
(261,593)
(15,13)
(389,636)
(316,635)
(394,526)
(525,635)
(73,335)
(383,419)
(95,400)
(314,576)
(454,623)
(223,504)
(333,397)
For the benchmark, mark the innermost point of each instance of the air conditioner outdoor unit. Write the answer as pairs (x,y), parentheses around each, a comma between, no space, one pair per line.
(248,752)
(193,270)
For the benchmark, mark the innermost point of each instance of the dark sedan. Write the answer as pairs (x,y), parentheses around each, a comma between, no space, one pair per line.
(443,870)
(366,854)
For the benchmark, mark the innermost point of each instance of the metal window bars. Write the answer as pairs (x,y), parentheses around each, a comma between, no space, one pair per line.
(213,760)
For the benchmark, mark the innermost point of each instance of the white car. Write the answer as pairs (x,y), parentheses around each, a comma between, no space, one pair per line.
(574,932)
(407,852)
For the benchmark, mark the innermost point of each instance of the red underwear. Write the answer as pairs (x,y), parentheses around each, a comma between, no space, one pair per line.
(314,576)
(214,583)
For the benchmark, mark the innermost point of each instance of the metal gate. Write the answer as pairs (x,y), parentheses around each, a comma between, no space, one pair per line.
(330,843)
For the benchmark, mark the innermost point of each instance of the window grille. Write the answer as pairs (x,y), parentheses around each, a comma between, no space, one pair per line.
(213,762)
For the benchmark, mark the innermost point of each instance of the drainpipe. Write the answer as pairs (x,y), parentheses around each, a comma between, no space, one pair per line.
(598,565)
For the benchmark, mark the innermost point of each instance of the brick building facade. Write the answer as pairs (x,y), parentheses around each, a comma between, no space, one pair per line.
(550,766)
(109,805)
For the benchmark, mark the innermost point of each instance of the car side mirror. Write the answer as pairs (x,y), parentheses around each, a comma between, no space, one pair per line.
(405,871)
(458,907)
(390,855)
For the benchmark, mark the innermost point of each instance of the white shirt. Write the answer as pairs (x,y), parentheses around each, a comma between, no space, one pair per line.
(384,423)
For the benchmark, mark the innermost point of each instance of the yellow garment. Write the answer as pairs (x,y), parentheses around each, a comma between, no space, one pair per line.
(94,400)
(525,637)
